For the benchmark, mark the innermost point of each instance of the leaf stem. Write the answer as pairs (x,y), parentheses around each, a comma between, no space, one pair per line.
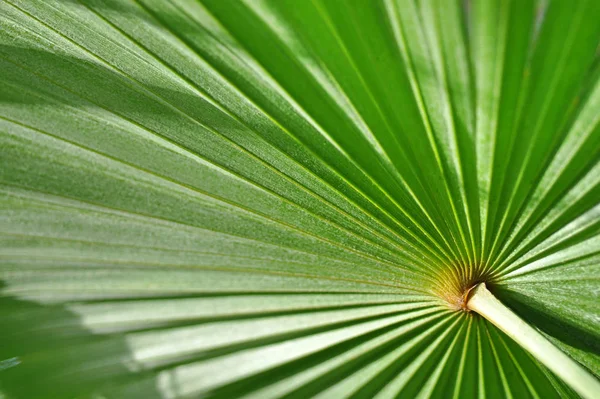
(584,383)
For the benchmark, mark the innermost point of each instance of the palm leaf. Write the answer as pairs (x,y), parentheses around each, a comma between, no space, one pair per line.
(296,198)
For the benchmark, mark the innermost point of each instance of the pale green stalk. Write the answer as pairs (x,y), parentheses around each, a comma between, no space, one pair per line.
(483,302)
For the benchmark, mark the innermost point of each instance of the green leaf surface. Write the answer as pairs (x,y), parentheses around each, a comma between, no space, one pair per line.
(289,198)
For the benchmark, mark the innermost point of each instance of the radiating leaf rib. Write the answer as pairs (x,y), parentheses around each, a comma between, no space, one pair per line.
(399,36)
(367,381)
(303,57)
(435,378)
(520,369)
(432,94)
(143,177)
(455,76)
(316,380)
(398,383)
(293,198)
(569,163)
(488,51)
(257,360)
(466,369)
(558,89)
(499,366)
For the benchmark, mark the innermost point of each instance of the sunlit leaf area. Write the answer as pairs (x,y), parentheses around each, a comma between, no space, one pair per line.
(295,198)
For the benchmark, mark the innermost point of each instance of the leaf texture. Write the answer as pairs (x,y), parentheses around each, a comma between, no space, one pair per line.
(276,198)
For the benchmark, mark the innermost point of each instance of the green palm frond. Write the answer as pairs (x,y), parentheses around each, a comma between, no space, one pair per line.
(299,198)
